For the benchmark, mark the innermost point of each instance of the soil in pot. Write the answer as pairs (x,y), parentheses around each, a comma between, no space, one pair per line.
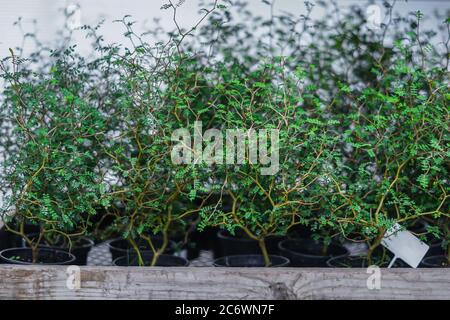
(47,256)
(241,244)
(309,253)
(120,247)
(361,261)
(250,260)
(164,260)
(80,248)
(440,261)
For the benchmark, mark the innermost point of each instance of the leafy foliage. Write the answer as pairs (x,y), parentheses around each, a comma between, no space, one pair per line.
(362,114)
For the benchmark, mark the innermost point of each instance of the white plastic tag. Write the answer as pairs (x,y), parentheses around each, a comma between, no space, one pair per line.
(404,245)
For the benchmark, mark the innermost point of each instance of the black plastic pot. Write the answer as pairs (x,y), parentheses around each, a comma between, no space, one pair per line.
(80,248)
(121,247)
(47,256)
(309,253)
(250,260)
(240,244)
(436,247)
(6,239)
(164,260)
(440,261)
(360,261)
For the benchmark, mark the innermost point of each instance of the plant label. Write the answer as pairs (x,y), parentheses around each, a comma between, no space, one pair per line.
(404,245)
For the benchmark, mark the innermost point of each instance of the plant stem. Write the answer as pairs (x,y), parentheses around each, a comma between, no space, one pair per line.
(34,253)
(374,245)
(160,251)
(165,233)
(262,245)
(138,252)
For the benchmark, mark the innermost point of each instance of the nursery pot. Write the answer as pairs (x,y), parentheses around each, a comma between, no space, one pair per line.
(120,247)
(436,248)
(309,253)
(80,248)
(164,260)
(46,255)
(440,261)
(250,260)
(360,261)
(241,244)
(7,239)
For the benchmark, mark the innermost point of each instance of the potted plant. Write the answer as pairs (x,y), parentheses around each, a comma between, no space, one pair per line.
(156,197)
(265,205)
(52,172)
(394,146)
(139,156)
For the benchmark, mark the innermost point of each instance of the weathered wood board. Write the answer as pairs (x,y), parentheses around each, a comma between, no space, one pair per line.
(51,282)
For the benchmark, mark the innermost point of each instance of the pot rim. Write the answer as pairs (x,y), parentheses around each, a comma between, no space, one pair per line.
(296,253)
(283,264)
(89,243)
(358,256)
(149,254)
(426,261)
(332,259)
(68,262)
(109,244)
(222,234)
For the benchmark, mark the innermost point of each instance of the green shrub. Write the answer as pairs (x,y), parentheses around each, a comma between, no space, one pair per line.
(362,117)
(52,173)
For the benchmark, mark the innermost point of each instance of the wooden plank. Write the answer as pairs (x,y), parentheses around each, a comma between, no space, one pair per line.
(50,282)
